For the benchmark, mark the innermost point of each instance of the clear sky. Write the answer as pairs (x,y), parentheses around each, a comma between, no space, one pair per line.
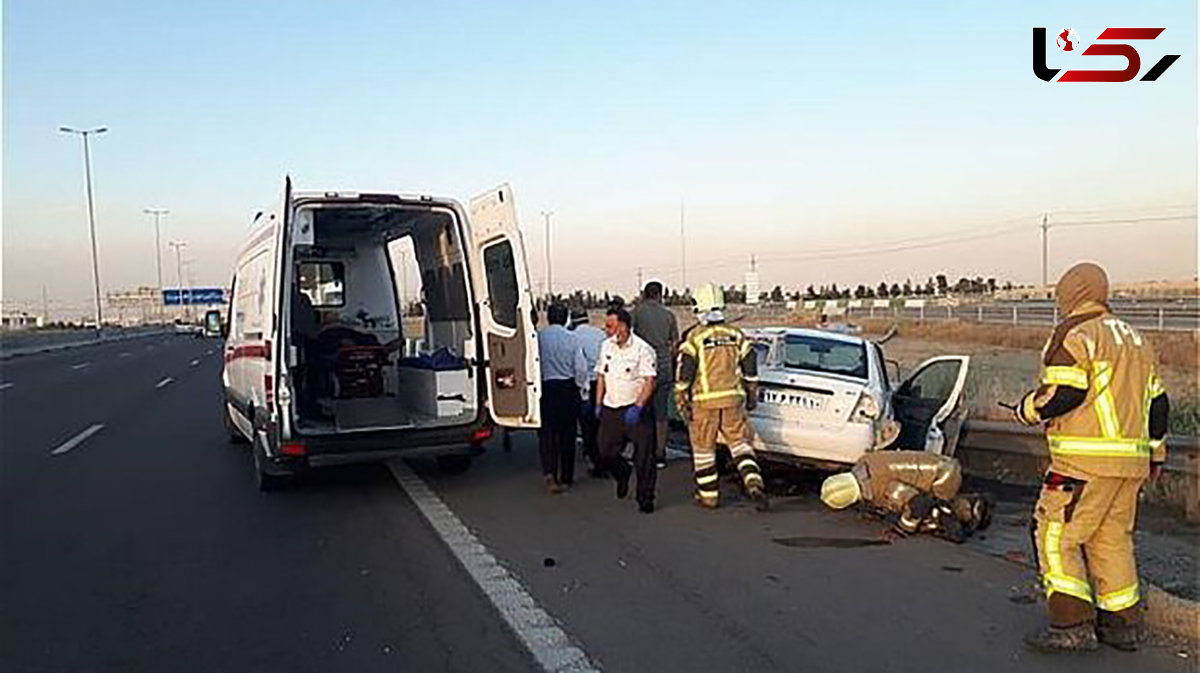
(789,130)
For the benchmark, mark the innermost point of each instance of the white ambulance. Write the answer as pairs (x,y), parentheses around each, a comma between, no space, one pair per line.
(365,326)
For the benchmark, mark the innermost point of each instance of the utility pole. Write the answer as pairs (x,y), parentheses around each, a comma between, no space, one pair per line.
(639,275)
(157,212)
(682,252)
(45,307)
(179,246)
(1045,250)
(87,170)
(549,273)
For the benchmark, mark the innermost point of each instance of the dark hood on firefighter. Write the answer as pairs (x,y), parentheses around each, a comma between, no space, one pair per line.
(1084,282)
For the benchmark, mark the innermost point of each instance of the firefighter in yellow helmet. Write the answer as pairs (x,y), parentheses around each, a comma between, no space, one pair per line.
(916,490)
(1105,413)
(715,385)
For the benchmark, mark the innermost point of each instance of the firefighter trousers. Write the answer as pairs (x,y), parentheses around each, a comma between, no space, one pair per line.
(732,425)
(1083,531)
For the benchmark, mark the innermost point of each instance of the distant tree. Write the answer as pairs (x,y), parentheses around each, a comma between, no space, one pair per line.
(777,294)
(1008,285)
(943,285)
(882,290)
(860,291)
(908,288)
(896,290)
(810,293)
(991,285)
(930,287)
(833,291)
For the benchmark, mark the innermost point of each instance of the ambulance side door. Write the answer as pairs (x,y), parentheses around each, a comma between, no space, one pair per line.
(502,293)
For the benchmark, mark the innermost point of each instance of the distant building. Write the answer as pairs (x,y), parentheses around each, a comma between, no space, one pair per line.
(752,287)
(16,321)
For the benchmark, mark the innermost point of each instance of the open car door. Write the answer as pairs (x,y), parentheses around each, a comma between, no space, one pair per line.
(505,310)
(928,405)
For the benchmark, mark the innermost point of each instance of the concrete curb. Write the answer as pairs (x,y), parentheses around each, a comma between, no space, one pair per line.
(8,354)
(1168,613)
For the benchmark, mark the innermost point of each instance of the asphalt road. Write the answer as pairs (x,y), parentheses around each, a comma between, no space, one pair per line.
(144,546)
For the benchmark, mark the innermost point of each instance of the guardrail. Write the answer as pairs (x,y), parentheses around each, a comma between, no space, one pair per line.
(1027,445)
(1163,318)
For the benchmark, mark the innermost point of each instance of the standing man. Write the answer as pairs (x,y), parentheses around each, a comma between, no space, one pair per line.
(590,339)
(624,385)
(657,326)
(564,378)
(717,384)
(1105,413)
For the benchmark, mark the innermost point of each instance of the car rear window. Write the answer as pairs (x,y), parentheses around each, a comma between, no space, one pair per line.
(811,353)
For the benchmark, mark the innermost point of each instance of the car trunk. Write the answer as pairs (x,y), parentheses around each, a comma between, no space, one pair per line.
(797,396)
(379,325)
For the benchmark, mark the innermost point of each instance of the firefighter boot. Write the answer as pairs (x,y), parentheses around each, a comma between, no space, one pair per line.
(1078,638)
(1120,630)
(707,502)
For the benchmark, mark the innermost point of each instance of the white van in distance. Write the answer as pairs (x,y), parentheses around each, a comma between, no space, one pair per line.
(321,365)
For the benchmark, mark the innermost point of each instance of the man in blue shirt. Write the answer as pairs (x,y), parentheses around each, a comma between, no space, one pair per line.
(590,339)
(564,383)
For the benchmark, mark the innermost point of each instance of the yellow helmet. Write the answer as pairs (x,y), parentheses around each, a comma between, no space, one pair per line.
(709,297)
(840,491)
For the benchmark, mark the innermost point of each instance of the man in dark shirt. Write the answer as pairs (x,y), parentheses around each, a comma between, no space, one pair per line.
(656,325)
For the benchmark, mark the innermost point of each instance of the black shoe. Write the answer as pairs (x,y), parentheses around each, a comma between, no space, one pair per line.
(646,508)
(1079,638)
(623,482)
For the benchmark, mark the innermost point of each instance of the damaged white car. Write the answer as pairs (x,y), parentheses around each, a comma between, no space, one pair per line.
(825,399)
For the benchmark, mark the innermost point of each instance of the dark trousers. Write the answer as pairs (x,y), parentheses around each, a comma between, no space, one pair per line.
(560,412)
(612,437)
(589,425)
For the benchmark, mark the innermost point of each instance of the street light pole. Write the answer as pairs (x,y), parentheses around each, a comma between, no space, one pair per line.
(549,273)
(157,212)
(87,171)
(179,246)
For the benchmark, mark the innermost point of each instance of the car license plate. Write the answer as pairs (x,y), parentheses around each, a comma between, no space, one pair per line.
(792,398)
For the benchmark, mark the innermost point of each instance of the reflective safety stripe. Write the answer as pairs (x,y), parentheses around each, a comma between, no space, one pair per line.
(687,347)
(701,397)
(682,386)
(705,479)
(1065,376)
(1056,579)
(750,379)
(1106,406)
(746,464)
(1156,444)
(1115,601)
(745,348)
(708,494)
(1099,446)
(702,371)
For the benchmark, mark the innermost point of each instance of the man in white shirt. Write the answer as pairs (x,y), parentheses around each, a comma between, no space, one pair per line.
(590,340)
(625,381)
(564,380)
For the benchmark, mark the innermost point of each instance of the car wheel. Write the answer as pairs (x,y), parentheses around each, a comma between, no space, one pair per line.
(235,435)
(454,464)
(264,479)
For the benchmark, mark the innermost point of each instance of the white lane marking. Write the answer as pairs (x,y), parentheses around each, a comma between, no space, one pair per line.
(165,382)
(6,386)
(124,354)
(77,439)
(193,363)
(534,627)
(81,365)
(208,352)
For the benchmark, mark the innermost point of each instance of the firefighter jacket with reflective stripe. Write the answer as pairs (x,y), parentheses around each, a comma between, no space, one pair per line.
(889,479)
(717,367)
(1108,433)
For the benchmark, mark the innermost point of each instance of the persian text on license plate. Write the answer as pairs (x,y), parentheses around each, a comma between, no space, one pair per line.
(791,398)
